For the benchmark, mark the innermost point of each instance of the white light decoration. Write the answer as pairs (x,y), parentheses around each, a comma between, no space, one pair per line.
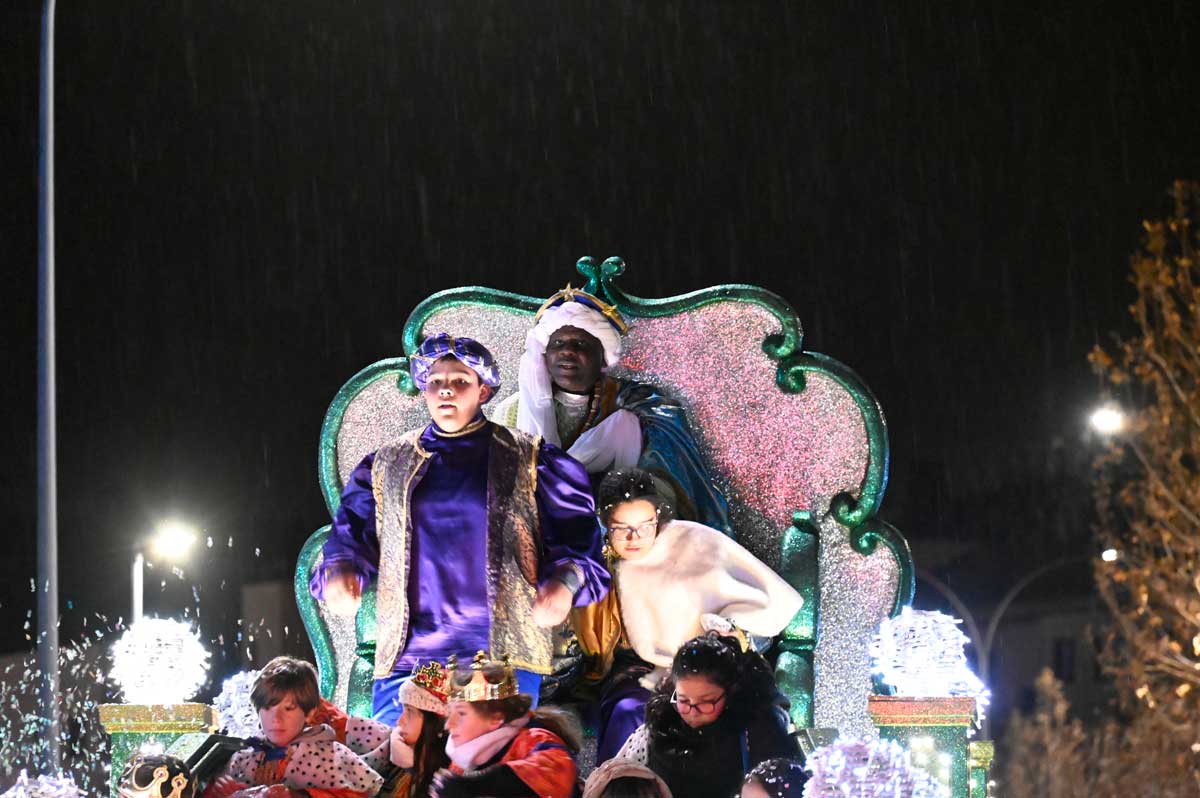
(43,787)
(159,661)
(920,654)
(235,712)
(867,769)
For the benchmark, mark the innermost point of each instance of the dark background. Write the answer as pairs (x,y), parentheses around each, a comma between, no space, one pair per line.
(252,196)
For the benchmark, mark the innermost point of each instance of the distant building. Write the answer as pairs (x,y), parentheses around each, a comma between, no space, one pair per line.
(271,624)
(1063,634)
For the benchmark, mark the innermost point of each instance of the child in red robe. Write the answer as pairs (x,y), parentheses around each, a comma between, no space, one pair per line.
(497,746)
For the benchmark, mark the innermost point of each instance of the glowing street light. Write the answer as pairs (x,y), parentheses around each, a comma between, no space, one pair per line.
(1110,555)
(171,542)
(172,539)
(1108,420)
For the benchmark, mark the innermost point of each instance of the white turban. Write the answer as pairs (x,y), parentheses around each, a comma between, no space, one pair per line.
(535,413)
(573,314)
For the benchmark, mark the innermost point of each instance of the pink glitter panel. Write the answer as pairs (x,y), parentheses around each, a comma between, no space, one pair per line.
(778,452)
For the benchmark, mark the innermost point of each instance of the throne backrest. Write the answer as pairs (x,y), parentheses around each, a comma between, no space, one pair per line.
(794,439)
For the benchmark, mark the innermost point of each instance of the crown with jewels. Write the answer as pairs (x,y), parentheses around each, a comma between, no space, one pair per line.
(432,677)
(479,688)
(570,294)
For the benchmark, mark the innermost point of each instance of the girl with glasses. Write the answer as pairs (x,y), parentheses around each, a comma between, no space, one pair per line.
(668,576)
(715,718)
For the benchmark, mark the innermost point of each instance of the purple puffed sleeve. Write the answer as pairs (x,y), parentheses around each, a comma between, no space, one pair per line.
(571,537)
(352,542)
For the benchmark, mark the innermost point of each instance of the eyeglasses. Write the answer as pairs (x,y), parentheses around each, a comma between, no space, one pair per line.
(645,529)
(703,707)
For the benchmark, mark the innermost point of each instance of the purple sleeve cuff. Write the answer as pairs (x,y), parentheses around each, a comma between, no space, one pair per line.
(322,573)
(352,543)
(571,575)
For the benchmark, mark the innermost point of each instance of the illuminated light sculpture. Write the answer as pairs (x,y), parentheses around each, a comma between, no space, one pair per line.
(159,661)
(159,664)
(43,787)
(235,712)
(920,653)
(867,769)
(938,700)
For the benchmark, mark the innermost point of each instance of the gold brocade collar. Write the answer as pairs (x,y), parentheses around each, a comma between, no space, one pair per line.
(474,426)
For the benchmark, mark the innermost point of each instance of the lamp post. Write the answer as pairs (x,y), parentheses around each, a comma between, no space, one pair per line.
(983,643)
(47,429)
(171,541)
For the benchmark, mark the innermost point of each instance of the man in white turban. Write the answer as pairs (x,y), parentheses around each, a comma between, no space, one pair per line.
(566,397)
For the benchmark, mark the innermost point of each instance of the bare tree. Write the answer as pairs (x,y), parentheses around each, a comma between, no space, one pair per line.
(1053,755)
(1148,484)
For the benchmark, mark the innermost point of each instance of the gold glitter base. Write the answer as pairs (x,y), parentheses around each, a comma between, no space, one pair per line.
(133,725)
(166,718)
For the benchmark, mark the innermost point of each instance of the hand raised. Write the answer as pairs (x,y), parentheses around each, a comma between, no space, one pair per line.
(553,604)
(343,592)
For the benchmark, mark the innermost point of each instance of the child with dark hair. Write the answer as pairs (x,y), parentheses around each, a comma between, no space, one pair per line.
(497,746)
(292,759)
(623,778)
(671,581)
(714,718)
(775,778)
(418,743)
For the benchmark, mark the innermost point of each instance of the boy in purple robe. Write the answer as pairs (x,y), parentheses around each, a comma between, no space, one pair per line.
(478,536)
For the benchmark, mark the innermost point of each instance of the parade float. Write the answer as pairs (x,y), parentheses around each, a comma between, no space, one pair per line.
(797,444)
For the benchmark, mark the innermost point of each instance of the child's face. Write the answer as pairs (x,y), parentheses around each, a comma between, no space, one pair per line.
(410,723)
(283,722)
(454,394)
(752,789)
(632,527)
(698,700)
(466,723)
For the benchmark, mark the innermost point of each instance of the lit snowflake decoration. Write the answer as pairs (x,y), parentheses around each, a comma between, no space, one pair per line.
(43,787)
(234,709)
(159,661)
(920,653)
(867,769)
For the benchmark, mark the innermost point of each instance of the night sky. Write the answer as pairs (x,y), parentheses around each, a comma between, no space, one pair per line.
(254,195)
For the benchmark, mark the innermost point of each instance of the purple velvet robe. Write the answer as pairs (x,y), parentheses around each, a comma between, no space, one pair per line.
(447,588)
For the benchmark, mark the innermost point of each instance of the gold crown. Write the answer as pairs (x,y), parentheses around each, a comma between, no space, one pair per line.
(570,294)
(479,688)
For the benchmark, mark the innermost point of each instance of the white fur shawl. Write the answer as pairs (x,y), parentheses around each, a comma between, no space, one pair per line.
(690,571)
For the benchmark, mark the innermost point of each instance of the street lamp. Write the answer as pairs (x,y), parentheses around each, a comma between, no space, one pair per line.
(1108,419)
(171,541)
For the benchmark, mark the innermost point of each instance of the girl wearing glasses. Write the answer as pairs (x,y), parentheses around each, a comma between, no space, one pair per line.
(712,720)
(668,575)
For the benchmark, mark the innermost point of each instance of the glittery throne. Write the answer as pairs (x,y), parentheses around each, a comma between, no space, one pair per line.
(795,440)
